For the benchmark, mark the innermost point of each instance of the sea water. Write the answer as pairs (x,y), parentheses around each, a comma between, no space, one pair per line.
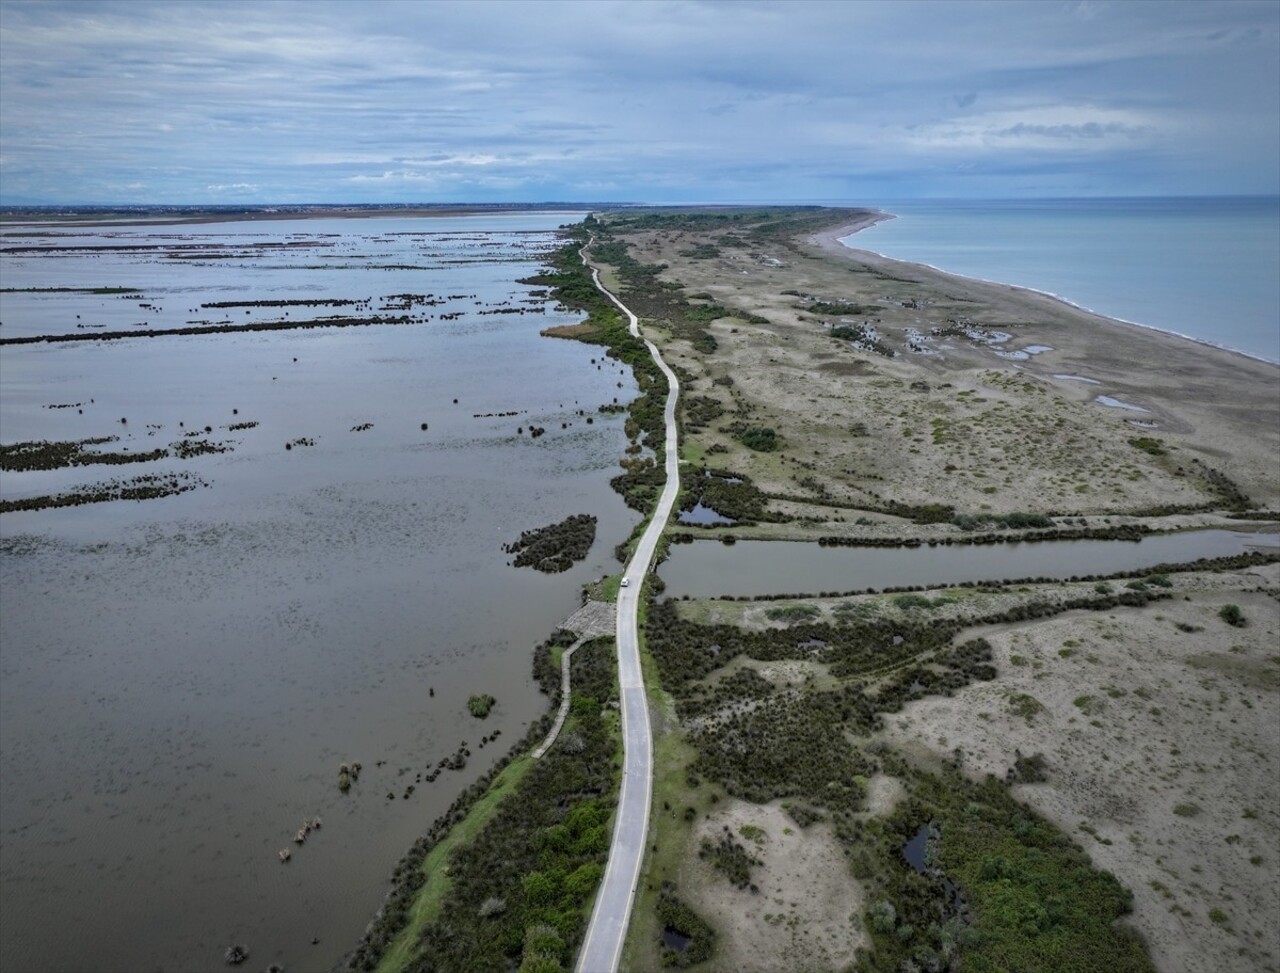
(1204,267)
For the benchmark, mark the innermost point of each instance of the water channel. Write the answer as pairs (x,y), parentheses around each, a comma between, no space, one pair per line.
(707,569)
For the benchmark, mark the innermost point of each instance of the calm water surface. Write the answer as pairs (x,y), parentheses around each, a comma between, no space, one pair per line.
(180,678)
(1205,267)
(705,569)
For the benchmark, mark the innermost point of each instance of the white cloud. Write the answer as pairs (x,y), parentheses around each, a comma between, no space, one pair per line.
(1049,128)
(395,176)
(773,99)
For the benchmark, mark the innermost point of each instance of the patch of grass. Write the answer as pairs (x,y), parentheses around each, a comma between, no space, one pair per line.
(757,834)
(1088,705)
(1025,705)
(792,613)
(1152,447)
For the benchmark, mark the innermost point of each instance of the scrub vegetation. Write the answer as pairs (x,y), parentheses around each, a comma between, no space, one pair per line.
(554,548)
(505,880)
(1005,882)
(856,402)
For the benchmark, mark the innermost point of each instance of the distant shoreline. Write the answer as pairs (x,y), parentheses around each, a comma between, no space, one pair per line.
(831,241)
(52,216)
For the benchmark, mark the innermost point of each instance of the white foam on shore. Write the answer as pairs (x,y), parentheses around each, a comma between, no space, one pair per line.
(843,241)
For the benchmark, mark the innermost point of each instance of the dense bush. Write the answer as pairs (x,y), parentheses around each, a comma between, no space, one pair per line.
(729,494)
(554,548)
(1004,890)
(542,854)
(762,440)
(676,915)
(1232,615)
(729,857)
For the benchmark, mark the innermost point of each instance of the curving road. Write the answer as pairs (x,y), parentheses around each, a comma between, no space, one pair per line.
(602,947)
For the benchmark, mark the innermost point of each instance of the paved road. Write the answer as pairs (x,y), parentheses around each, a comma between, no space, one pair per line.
(607,930)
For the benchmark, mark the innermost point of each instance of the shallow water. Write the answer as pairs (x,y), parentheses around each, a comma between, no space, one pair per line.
(705,569)
(704,516)
(180,678)
(914,850)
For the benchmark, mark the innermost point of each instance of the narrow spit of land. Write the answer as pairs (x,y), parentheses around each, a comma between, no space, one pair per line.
(607,931)
(837,397)
(922,779)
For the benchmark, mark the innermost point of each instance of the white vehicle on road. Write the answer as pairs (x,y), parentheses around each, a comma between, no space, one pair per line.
(626,582)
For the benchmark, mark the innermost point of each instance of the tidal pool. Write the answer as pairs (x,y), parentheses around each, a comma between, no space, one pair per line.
(180,678)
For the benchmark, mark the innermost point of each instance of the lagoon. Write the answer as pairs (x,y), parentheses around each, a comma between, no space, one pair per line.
(180,678)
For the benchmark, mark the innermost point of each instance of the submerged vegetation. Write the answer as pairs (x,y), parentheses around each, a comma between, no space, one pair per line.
(517,891)
(45,455)
(554,548)
(146,487)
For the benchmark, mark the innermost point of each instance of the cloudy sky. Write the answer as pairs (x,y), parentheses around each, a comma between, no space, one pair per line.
(647,100)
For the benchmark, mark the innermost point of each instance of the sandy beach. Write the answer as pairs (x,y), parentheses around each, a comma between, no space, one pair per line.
(983,396)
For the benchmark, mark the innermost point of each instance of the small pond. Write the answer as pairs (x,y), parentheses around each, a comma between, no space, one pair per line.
(675,939)
(705,516)
(914,850)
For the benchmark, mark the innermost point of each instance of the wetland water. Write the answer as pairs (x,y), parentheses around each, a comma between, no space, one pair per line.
(705,569)
(181,677)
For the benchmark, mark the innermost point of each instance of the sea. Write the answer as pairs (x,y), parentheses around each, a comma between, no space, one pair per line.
(1207,268)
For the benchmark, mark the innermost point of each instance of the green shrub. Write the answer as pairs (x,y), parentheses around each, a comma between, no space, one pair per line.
(1148,445)
(480,705)
(1232,615)
(792,613)
(761,440)
(1025,705)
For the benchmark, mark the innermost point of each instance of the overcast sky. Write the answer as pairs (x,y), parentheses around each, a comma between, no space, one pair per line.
(207,102)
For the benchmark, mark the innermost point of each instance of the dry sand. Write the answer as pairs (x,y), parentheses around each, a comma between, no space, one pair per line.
(807,914)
